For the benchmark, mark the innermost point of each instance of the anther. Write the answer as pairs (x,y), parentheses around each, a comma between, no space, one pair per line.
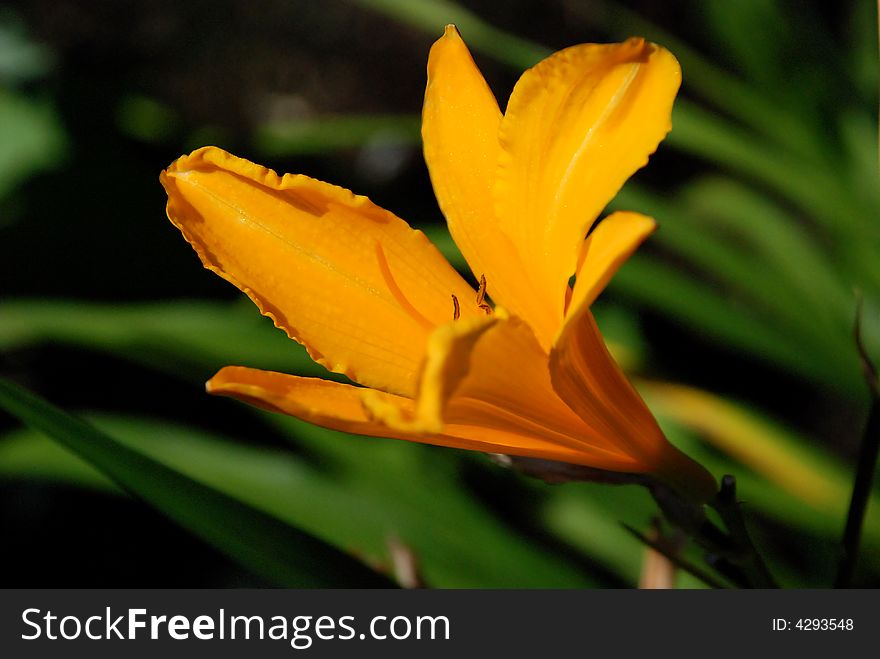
(481,296)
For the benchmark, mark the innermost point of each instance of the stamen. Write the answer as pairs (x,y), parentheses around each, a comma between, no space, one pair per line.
(481,297)
(481,294)
(456,309)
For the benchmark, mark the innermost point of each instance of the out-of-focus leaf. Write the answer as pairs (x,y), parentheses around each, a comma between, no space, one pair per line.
(864,64)
(739,268)
(765,229)
(26,453)
(748,33)
(761,497)
(31,139)
(589,517)
(21,58)
(263,543)
(812,475)
(704,134)
(145,119)
(750,248)
(779,474)
(366,492)
(431,15)
(858,131)
(693,303)
(194,337)
(415,492)
(322,134)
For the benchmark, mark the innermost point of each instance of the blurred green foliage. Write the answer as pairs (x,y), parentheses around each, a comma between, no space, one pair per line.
(768,198)
(30,134)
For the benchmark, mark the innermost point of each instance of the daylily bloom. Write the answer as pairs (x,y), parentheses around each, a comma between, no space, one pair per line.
(373,299)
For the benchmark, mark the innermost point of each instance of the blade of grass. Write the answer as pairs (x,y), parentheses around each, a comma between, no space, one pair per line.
(431,15)
(272,549)
(740,270)
(188,337)
(817,191)
(692,303)
(785,243)
(781,473)
(351,492)
(322,134)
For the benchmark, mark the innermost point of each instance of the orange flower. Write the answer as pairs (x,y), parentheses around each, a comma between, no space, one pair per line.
(373,299)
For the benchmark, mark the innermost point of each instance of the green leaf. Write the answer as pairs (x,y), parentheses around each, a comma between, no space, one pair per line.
(432,15)
(691,302)
(790,463)
(702,133)
(322,134)
(146,119)
(21,59)
(722,257)
(767,230)
(415,493)
(277,551)
(754,252)
(31,139)
(192,338)
(29,454)
(351,492)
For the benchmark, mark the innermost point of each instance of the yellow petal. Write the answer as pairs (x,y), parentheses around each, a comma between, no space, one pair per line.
(341,407)
(447,362)
(586,377)
(493,375)
(460,120)
(508,384)
(577,126)
(322,402)
(351,281)
(610,244)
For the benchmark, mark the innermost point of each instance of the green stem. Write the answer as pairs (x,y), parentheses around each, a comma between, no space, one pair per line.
(731,553)
(859,502)
(743,556)
(663,548)
(865,468)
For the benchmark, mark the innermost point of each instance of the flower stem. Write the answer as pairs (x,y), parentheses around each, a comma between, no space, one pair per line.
(859,502)
(743,557)
(865,468)
(731,553)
